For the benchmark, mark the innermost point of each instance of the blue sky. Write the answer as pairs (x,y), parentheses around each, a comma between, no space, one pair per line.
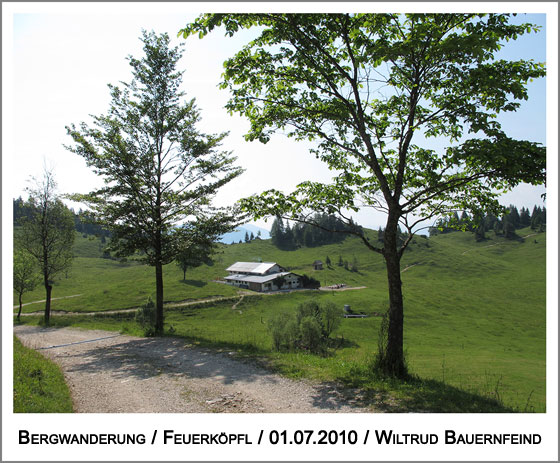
(63,60)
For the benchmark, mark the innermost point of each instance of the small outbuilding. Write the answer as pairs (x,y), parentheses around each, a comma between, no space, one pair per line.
(317,265)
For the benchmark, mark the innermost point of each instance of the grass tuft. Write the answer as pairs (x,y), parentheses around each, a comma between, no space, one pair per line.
(39,385)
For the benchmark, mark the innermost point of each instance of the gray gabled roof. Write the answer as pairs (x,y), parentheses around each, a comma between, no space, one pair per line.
(255,278)
(251,267)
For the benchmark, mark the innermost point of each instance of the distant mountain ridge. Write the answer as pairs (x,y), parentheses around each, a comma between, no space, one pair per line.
(239,234)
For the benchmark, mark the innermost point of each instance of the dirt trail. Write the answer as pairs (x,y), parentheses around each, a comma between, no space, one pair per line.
(44,300)
(133,309)
(112,373)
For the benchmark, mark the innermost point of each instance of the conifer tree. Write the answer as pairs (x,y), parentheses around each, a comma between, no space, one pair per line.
(524,217)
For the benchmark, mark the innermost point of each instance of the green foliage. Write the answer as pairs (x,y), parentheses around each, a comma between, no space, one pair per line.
(39,385)
(455,307)
(310,333)
(146,317)
(364,102)
(197,246)
(283,329)
(330,318)
(159,170)
(47,233)
(25,275)
(309,328)
(318,230)
(310,282)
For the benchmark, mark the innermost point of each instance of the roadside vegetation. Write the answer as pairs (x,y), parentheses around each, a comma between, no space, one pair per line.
(39,385)
(475,337)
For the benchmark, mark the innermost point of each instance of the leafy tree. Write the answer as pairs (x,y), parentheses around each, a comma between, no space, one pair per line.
(366,88)
(159,170)
(198,244)
(25,274)
(47,234)
(194,256)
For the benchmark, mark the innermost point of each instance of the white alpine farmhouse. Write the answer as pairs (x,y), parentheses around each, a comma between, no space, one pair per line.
(262,276)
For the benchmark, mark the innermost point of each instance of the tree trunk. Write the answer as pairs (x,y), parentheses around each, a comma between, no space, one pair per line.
(159,298)
(48,289)
(20,305)
(393,362)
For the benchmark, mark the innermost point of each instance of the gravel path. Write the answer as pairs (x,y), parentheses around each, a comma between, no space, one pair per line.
(112,373)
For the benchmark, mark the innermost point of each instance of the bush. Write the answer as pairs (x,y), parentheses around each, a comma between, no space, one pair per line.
(310,334)
(310,282)
(308,328)
(330,318)
(277,326)
(146,317)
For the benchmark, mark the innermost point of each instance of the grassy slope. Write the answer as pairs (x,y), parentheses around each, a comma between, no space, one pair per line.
(39,385)
(474,312)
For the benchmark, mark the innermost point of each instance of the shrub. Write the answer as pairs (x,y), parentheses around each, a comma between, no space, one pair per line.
(279,328)
(146,317)
(310,282)
(330,318)
(307,309)
(310,333)
(308,328)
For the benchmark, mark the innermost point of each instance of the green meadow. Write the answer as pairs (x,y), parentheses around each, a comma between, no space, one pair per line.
(39,385)
(475,316)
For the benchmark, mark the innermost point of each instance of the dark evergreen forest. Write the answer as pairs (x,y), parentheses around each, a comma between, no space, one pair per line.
(299,235)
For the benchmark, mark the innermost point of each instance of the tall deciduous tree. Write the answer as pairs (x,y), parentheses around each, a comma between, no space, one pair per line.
(369,89)
(26,276)
(47,233)
(159,170)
